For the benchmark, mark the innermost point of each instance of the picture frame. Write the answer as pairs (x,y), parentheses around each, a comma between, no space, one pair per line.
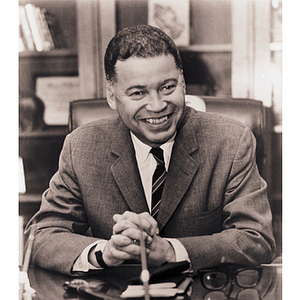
(56,92)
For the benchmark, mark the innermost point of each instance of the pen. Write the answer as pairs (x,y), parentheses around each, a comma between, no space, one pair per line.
(145,273)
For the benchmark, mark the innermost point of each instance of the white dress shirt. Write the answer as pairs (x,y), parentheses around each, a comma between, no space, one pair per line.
(146,165)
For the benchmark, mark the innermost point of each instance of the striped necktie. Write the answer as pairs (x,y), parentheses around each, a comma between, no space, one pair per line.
(158,180)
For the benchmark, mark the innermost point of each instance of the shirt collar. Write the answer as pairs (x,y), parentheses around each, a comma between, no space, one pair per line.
(142,150)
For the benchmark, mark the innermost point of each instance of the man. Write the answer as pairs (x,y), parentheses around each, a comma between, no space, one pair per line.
(212,203)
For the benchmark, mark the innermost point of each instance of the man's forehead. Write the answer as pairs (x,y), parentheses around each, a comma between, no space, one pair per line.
(135,60)
(137,67)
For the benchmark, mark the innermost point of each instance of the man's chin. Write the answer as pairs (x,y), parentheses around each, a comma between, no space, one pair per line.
(157,140)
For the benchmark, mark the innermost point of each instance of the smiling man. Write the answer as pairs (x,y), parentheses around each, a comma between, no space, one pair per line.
(149,96)
(187,180)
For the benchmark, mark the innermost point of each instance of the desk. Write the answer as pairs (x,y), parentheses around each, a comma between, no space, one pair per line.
(49,284)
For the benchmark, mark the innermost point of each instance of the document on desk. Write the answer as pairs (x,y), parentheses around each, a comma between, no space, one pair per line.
(163,289)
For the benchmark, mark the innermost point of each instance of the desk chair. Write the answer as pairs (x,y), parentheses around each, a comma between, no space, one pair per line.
(249,112)
(84,111)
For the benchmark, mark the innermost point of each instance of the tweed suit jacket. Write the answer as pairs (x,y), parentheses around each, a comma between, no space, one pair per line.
(214,200)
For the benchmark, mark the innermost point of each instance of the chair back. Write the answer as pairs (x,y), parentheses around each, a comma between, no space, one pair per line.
(84,111)
(250,112)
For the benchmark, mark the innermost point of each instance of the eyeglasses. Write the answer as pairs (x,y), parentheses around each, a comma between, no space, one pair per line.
(217,278)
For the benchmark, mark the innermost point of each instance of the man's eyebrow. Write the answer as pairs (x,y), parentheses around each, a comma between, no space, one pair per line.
(167,81)
(159,84)
(135,87)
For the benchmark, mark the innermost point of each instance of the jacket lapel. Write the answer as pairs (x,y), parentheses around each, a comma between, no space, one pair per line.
(181,173)
(125,170)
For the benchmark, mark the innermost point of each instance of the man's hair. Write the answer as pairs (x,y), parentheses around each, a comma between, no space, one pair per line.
(142,41)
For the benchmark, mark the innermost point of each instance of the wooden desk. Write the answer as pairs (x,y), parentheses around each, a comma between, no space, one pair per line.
(49,284)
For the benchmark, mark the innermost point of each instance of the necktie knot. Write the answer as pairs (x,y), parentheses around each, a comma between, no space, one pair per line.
(158,154)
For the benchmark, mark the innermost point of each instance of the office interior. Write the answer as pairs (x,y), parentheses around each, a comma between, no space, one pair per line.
(234,51)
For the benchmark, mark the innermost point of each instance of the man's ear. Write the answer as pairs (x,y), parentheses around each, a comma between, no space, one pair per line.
(110,96)
(183,81)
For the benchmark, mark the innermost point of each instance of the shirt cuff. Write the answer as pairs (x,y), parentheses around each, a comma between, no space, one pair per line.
(82,263)
(180,251)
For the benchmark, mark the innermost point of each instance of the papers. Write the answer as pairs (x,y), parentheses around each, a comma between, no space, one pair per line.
(163,289)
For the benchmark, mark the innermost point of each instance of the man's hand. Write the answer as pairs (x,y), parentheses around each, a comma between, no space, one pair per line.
(127,231)
(118,249)
(124,243)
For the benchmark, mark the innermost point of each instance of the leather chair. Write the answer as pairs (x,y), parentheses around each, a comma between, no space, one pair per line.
(250,112)
(84,111)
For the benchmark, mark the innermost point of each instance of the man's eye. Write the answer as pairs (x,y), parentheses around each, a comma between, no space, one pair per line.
(137,95)
(167,89)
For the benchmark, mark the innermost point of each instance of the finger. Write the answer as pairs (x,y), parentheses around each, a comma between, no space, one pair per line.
(123,225)
(120,254)
(133,220)
(135,234)
(131,248)
(151,220)
(124,216)
(117,217)
(144,220)
(121,240)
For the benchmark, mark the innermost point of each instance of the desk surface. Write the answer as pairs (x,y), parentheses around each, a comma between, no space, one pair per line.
(49,285)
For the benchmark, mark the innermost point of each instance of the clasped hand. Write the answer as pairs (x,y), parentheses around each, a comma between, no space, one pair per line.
(124,243)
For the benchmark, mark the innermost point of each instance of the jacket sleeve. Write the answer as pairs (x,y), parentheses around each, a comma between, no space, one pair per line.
(247,233)
(61,223)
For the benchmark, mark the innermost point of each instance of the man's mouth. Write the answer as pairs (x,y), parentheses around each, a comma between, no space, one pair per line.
(156,121)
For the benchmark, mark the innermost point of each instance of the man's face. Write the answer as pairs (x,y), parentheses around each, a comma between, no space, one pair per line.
(149,96)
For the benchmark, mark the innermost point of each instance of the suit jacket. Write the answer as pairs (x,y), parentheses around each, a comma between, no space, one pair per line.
(214,200)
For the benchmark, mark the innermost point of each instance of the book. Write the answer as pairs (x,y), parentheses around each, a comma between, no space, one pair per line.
(55,30)
(25,32)
(39,29)
(34,27)
(44,31)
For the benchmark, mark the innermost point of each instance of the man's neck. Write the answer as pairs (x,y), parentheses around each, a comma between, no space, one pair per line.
(134,137)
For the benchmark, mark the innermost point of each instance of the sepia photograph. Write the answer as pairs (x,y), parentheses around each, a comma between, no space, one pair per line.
(150,149)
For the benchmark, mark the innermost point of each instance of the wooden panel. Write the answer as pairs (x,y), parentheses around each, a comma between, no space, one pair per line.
(60,62)
(210,21)
(131,13)
(96,26)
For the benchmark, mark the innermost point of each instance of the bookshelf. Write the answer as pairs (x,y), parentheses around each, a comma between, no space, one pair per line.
(40,148)
(87,26)
(57,61)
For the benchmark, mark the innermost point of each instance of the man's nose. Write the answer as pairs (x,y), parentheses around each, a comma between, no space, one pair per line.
(156,103)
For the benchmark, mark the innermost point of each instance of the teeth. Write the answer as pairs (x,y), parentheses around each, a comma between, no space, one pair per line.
(157,121)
